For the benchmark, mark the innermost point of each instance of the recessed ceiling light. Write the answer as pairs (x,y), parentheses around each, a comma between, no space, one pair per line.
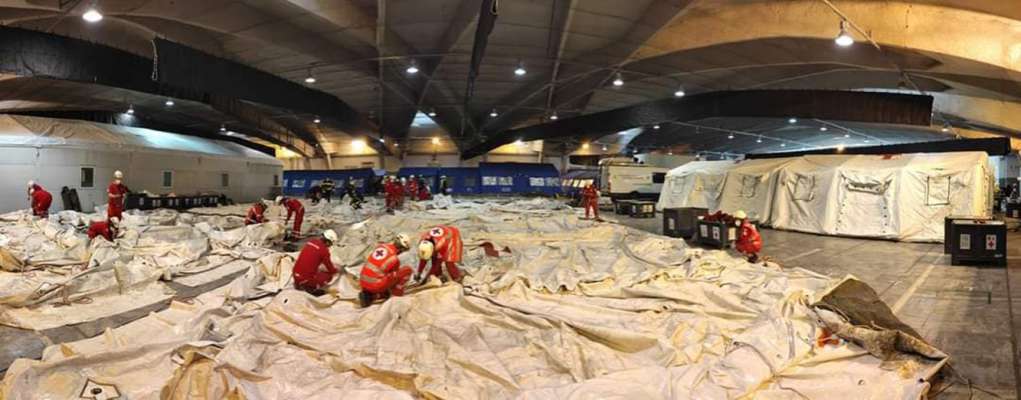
(679,92)
(554,116)
(92,15)
(730,136)
(493,113)
(655,127)
(223,128)
(618,80)
(431,113)
(758,140)
(847,135)
(413,68)
(131,109)
(823,128)
(520,70)
(317,120)
(792,120)
(783,144)
(604,147)
(169,103)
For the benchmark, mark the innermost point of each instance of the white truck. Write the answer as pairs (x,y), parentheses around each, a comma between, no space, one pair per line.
(623,178)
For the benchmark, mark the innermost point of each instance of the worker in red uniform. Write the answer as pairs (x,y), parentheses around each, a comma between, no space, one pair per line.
(255,214)
(115,196)
(390,191)
(423,190)
(441,244)
(590,200)
(41,200)
(107,229)
(383,275)
(295,208)
(399,190)
(313,270)
(749,242)
(411,190)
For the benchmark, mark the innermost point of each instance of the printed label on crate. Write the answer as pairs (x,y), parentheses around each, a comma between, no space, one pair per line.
(703,230)
(965,242)
(670,224)
(990,242)
(716,233)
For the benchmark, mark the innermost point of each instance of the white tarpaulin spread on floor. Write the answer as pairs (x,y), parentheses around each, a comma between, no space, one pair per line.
(902,197)
(564,308)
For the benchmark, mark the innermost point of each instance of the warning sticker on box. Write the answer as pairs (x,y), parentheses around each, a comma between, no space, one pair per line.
(703,231)
(990,242)
(965,242)
(716,233)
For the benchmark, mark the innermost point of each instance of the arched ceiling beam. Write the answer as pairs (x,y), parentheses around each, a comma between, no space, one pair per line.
(829,105)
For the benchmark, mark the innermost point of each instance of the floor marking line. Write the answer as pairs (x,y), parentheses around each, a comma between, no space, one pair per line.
(911,290)
(807,253)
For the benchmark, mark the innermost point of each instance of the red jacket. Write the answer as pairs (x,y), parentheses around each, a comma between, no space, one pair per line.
(115,193)
(102,228)
(293,206)
(590,193)
(447,242)
(314,254)
(748,240)
(41,199)
(255,215)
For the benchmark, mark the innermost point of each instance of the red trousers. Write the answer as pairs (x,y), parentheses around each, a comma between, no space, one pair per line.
(591,204)
(114,210)
(314,282)
(437,269)
(298,217)
(391,284)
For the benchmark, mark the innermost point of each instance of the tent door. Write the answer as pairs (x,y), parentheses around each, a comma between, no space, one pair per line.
(864,208)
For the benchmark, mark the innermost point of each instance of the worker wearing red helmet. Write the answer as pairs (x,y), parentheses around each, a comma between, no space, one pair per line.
(441,244)
(749,242)
(590,200)
(115,196)
(107,229)
(383,275)
(294,208)
(256,214)
(41,200)
(313,270)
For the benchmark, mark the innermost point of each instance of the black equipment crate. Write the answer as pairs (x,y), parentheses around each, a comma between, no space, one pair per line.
(623,207)
(681,222)
(715,233)
(948,229)
(978,241)
(642,209)
(1013,209)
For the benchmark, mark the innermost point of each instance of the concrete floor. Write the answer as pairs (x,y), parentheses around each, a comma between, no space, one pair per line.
(966,311)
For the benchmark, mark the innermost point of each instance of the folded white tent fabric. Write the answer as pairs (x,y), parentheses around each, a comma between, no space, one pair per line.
(900,197)
(567,308)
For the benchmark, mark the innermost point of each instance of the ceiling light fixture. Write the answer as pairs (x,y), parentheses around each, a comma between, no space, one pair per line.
(381,140)
(783,144)
(792,120)
(618,80)
(840,148)
(520,70)
(847,135)
(436,140)
(584,146)
(131,109)
(945,128)
(493,113)
(413,68)
(679,92)
(431,113)
(823,128)
(92,15)
(223,128)
(310,79)
(844,39)
(655,127)
(519,142)
(730,136)
(604,147)
(317,120)
(758,139)
(169,103)
(554,116)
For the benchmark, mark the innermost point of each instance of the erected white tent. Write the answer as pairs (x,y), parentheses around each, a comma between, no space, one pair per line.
(695,184)
(901,197)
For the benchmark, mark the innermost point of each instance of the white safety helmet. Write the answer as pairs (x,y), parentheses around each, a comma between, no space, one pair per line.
(31,183)
(740,214)
(402,241)
(330,235)
(425,249)
(279,199)
(115,221)
(118,174)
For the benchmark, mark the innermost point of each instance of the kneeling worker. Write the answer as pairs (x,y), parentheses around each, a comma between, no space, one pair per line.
(383,275)
(256,214)
(313,269)
(441,244)
(107,229)
(749,242)
(41,200)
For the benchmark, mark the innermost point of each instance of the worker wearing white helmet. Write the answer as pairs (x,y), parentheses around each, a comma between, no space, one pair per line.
(383,275)
(313,270)
(40,200)
(749,242)
(442,245)
(115,196)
